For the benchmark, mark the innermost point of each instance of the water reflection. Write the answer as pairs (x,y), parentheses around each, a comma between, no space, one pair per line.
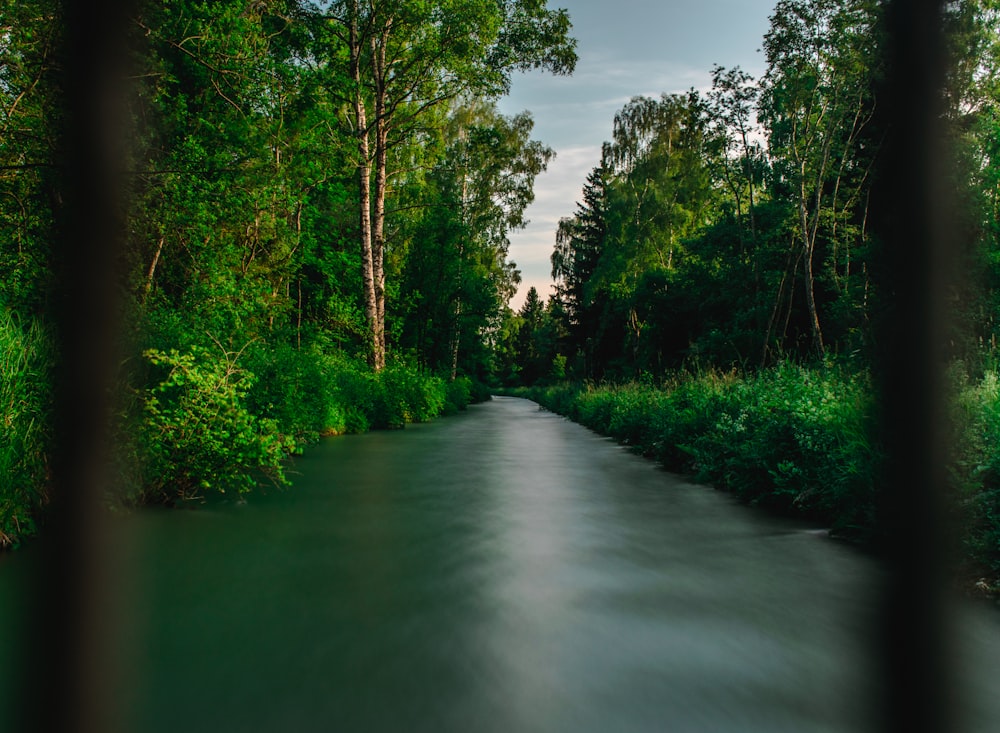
(504,570)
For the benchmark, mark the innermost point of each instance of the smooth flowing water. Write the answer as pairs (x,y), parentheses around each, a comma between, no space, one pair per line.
(502,570)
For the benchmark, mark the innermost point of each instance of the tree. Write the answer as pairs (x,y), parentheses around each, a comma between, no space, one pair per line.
(406,58)
(30,34)
(660,192)
(529,356)
(579,243)
(816,103)
(456,277)
(732,103)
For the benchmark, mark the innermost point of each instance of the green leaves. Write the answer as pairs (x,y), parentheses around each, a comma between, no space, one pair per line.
(794,439)
(197,434)
(26,371)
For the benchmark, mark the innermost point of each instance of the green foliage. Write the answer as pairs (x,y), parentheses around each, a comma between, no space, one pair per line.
(241,208)
(30,116)
(696,240)
(25,421)
(198,435)
(398,395)
(411,395)
(459,394)
(976,468)
(294,387)
(794,439)
(456,276)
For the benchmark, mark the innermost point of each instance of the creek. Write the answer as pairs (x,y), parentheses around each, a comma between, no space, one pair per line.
(501,570)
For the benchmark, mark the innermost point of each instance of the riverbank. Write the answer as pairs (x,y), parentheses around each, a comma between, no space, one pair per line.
(203,419)
(798,441)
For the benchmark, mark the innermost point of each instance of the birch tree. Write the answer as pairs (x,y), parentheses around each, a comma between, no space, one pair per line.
(408,57)
(816,104)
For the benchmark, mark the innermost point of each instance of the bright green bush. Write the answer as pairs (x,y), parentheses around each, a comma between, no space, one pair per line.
(458,394)
(25,420)
(795,439)
(197,433)
(361,393)
(398,395)
(411,395)
(294,388)
(791,438)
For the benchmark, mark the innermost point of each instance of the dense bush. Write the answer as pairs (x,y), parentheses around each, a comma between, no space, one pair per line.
(294,387)
(211,423)
(197,433)
(791,438)
(797,440)
(25,414)
(202,419)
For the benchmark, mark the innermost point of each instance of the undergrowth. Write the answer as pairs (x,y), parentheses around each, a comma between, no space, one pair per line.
(793,439)
(203,417)
(797,440)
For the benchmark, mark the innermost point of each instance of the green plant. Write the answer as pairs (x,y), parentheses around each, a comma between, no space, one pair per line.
(197,433)
(26,362)
(792,438)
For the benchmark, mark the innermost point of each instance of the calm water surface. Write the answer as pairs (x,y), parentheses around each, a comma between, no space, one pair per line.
(503,570)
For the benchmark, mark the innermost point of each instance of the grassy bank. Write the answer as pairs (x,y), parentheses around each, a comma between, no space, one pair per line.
(203,419)
(797,440)
(222,421)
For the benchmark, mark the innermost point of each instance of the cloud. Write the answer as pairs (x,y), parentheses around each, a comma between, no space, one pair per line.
(557,192)
(626,49)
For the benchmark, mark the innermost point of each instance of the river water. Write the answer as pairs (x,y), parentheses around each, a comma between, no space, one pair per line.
(502,570)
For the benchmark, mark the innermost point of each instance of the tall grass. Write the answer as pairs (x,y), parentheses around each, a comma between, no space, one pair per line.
(26,360)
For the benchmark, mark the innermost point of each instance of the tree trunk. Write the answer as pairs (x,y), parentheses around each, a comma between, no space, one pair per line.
(378,213)
(364,185)
(151,273)
(808,249)
(817,332)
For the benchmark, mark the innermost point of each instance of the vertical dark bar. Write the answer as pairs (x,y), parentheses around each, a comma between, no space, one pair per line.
(913,279)
(68,677)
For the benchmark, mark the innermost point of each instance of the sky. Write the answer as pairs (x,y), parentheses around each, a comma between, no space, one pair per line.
(626,48)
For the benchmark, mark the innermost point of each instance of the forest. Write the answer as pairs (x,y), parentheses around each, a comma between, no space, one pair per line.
(318,200)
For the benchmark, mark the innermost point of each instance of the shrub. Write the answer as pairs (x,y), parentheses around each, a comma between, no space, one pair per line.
(791,438)
(361,393)
(197,433)
(976,467)
(411,395)
(458,394)
(400,394)
(293,387)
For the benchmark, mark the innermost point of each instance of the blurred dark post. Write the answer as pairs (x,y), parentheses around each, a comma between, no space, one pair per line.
(68,676)
(913,279)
